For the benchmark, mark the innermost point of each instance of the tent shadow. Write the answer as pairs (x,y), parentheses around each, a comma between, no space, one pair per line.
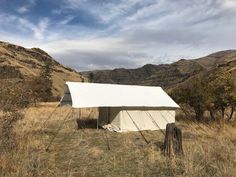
(86,123)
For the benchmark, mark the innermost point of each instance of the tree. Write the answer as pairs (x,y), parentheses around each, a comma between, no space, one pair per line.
(42,85)
(223,92)
(215,92)
(91,77)
(194,94)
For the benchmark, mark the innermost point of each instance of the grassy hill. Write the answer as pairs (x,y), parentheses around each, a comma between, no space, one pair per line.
(17,62)
(167,75)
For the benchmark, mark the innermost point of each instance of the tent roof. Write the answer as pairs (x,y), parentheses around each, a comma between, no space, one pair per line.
(82,95)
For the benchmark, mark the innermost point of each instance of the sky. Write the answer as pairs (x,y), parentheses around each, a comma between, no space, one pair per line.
(107,34)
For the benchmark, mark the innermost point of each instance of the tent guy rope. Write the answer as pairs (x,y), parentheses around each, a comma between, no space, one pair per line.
(137,127)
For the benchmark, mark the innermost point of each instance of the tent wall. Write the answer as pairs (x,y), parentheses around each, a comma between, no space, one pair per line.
(146,119)
(120,118)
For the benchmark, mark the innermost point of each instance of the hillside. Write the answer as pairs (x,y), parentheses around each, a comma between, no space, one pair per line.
(218,59)
(166,75)
(19,62)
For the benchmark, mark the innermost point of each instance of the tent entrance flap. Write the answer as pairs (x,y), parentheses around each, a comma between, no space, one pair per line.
(109,116)
(66,100)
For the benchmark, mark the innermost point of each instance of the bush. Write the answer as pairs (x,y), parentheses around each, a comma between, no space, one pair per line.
(14,96)
(41,86)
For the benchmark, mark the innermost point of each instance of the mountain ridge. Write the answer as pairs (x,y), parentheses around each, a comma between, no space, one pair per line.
(166,75)
(22,63)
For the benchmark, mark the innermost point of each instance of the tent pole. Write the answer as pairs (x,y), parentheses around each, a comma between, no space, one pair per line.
(78,119)
(60,110)
(80,113)
(97,119)
(72,115)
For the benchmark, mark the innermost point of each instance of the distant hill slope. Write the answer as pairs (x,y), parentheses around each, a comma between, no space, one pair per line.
(217,59)
(166,75)
(19,62)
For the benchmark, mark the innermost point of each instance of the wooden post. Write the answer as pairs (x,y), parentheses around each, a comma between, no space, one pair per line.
(173,141)
(78,119)
(97,122)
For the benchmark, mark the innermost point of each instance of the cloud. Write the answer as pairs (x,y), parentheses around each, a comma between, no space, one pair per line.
(23,9)
(27,6)
(88,34)
(90,59)
(66,20)
(38,29)
(107,11)
(74,4)
(229,3)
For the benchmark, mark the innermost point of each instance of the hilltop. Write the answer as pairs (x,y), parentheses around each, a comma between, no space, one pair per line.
(17,62)
(167,75)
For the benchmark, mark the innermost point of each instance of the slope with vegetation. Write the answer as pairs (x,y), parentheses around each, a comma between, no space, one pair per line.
(19,63)
(166,75)
(27,76)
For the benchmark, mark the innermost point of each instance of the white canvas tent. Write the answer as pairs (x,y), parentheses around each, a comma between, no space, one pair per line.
(125,107)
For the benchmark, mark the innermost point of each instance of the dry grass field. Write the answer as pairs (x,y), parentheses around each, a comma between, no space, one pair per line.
(84,152)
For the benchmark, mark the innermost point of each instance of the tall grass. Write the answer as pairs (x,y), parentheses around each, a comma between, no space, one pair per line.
(84,152)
